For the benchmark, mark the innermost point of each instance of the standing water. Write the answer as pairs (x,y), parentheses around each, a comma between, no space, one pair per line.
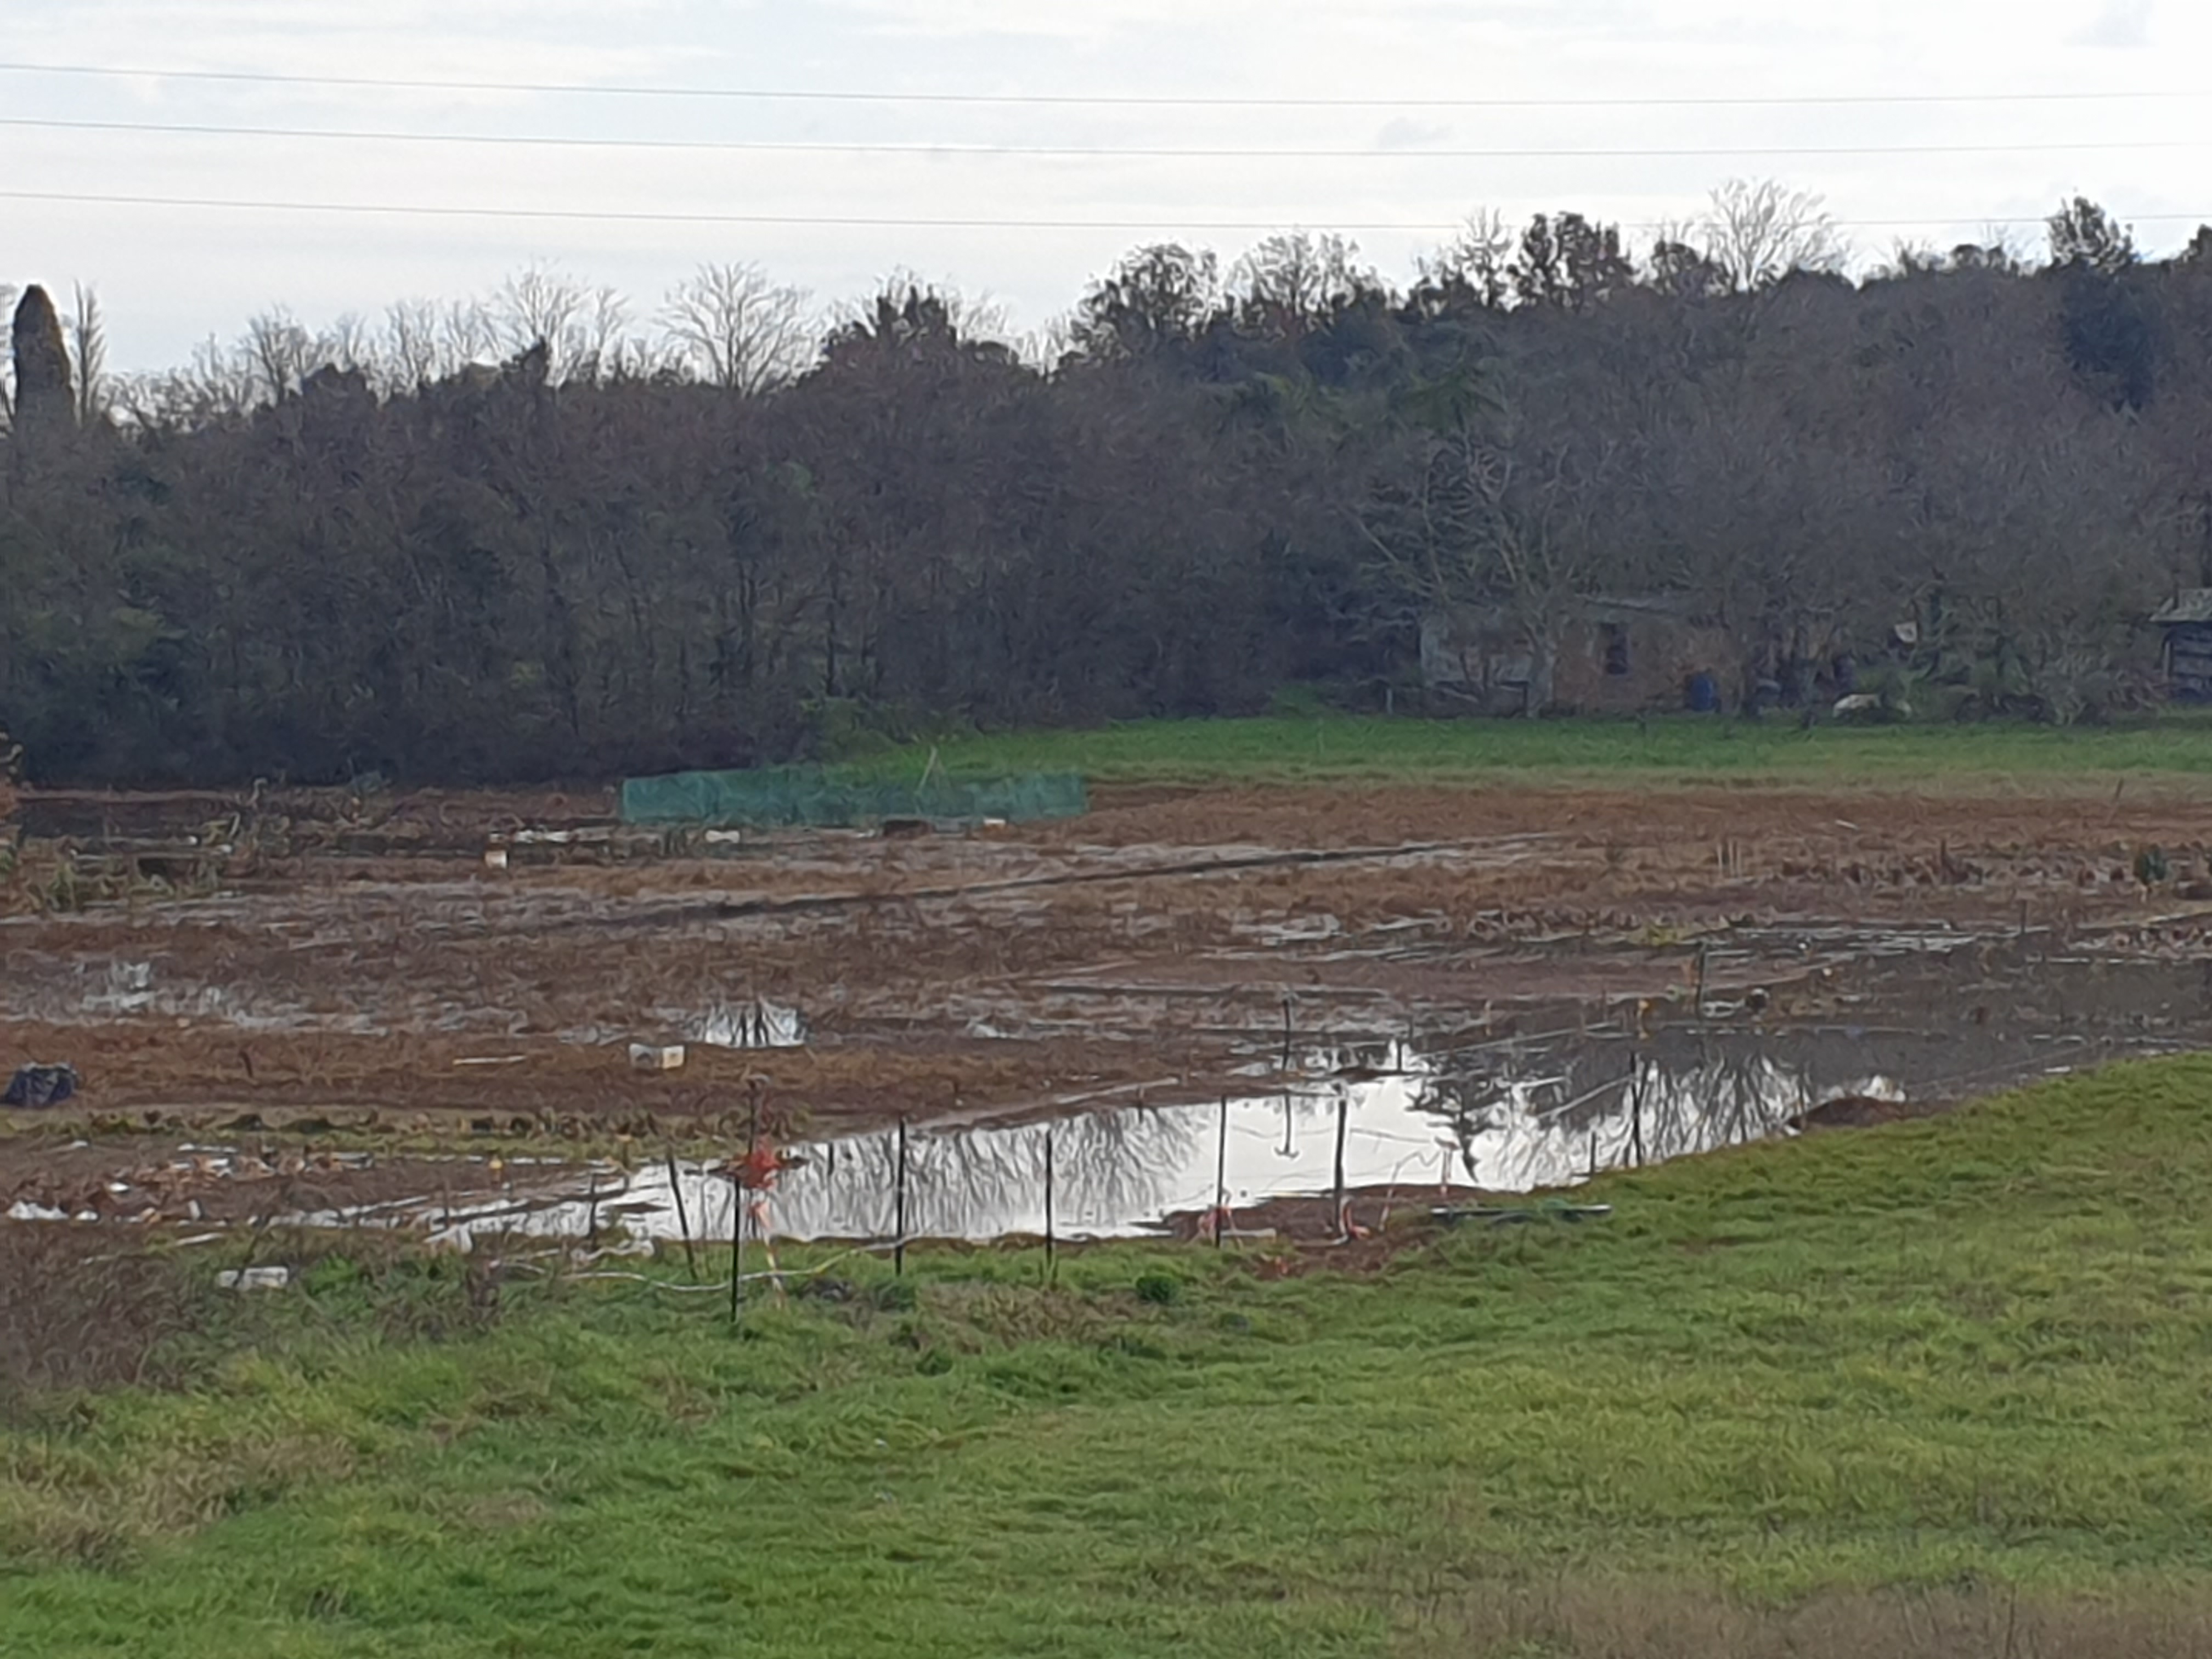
(1499,1126)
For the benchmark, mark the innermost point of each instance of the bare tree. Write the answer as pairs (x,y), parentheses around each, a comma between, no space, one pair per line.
(1475,263)
(604,349)
(8,293)
(580,326)
(218,385)
(411,353)
(1757,233)
(2001,249)
(1048,344)
(1291,283)
(735,328)
(347,344)
(279,353)
(536,303)
(87,345)
(1480,513)
(466,334)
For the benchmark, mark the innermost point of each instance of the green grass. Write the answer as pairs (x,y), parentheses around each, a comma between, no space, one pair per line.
(1673,748)
(1972,1351)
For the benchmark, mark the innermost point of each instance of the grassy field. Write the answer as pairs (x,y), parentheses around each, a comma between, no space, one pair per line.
(1937,1388)
(1673,748)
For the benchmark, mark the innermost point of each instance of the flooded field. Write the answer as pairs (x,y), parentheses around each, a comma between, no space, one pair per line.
(1183,1003)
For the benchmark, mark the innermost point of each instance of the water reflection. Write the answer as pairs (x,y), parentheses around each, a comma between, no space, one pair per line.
(1518,1134)
(1518,1118)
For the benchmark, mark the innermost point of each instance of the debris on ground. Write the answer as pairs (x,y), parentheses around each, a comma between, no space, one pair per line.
(1543,1210)
(254,1279)
(33,1087)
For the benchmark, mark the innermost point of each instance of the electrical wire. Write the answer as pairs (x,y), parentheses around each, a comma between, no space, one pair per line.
(1158,223)
(262,77)
(1090,151)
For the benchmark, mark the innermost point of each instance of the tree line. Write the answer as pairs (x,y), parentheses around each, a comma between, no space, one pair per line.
(525,537)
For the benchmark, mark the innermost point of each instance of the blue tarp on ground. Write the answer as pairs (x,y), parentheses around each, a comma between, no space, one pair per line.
(40,1085)
(809,795)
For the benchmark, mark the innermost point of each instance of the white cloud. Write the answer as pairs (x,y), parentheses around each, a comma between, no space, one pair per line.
(1407,133)
(2123,23)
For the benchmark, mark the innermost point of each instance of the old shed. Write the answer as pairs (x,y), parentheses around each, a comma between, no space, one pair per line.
(2187,619)
(1618,653)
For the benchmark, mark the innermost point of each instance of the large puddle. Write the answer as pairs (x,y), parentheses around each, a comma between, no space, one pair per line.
(1793,1023)
(1930,1018)
(1528,1114)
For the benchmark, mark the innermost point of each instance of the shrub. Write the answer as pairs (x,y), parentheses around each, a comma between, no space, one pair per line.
(1159,1289)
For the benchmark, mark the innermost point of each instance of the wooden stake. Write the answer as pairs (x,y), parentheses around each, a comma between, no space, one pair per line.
(1636,1105)
(682,1220)
(1051,1267)
(1221,1177)
(742,1214)
(898,1211)
(1343,1117)
(737,1251)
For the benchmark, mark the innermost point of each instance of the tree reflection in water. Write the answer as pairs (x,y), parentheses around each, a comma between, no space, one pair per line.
(1111,1171)
(1512,1118)
(1594,1111)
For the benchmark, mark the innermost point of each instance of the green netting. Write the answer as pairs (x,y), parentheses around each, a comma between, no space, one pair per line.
(793,795)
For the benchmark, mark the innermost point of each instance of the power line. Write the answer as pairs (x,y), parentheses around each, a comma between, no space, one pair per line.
(1113,152)
(1161,223)
(647,216)
(254,77)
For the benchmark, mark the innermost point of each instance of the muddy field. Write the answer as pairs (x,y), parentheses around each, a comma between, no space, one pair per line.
(1578,976)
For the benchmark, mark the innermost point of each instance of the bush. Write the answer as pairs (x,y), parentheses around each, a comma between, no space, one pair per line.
(75,1316)
(1159,1289)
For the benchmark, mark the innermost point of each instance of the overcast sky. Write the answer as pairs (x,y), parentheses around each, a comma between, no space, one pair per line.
(171,275)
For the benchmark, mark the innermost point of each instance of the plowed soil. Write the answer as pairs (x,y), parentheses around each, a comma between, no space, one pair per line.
(319,966)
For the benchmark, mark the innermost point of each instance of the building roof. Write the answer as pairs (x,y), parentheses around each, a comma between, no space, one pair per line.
(2191,604)
(1681,607)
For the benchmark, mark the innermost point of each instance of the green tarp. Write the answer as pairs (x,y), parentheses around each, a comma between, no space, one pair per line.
(794,795)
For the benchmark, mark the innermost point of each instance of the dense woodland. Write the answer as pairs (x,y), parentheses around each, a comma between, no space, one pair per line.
(523,538)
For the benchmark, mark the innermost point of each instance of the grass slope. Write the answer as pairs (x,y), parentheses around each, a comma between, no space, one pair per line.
(1675,747)
(1969,1351)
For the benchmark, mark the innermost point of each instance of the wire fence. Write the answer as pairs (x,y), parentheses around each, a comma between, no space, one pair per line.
(805,796)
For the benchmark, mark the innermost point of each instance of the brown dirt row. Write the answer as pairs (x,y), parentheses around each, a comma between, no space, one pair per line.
(959,976)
